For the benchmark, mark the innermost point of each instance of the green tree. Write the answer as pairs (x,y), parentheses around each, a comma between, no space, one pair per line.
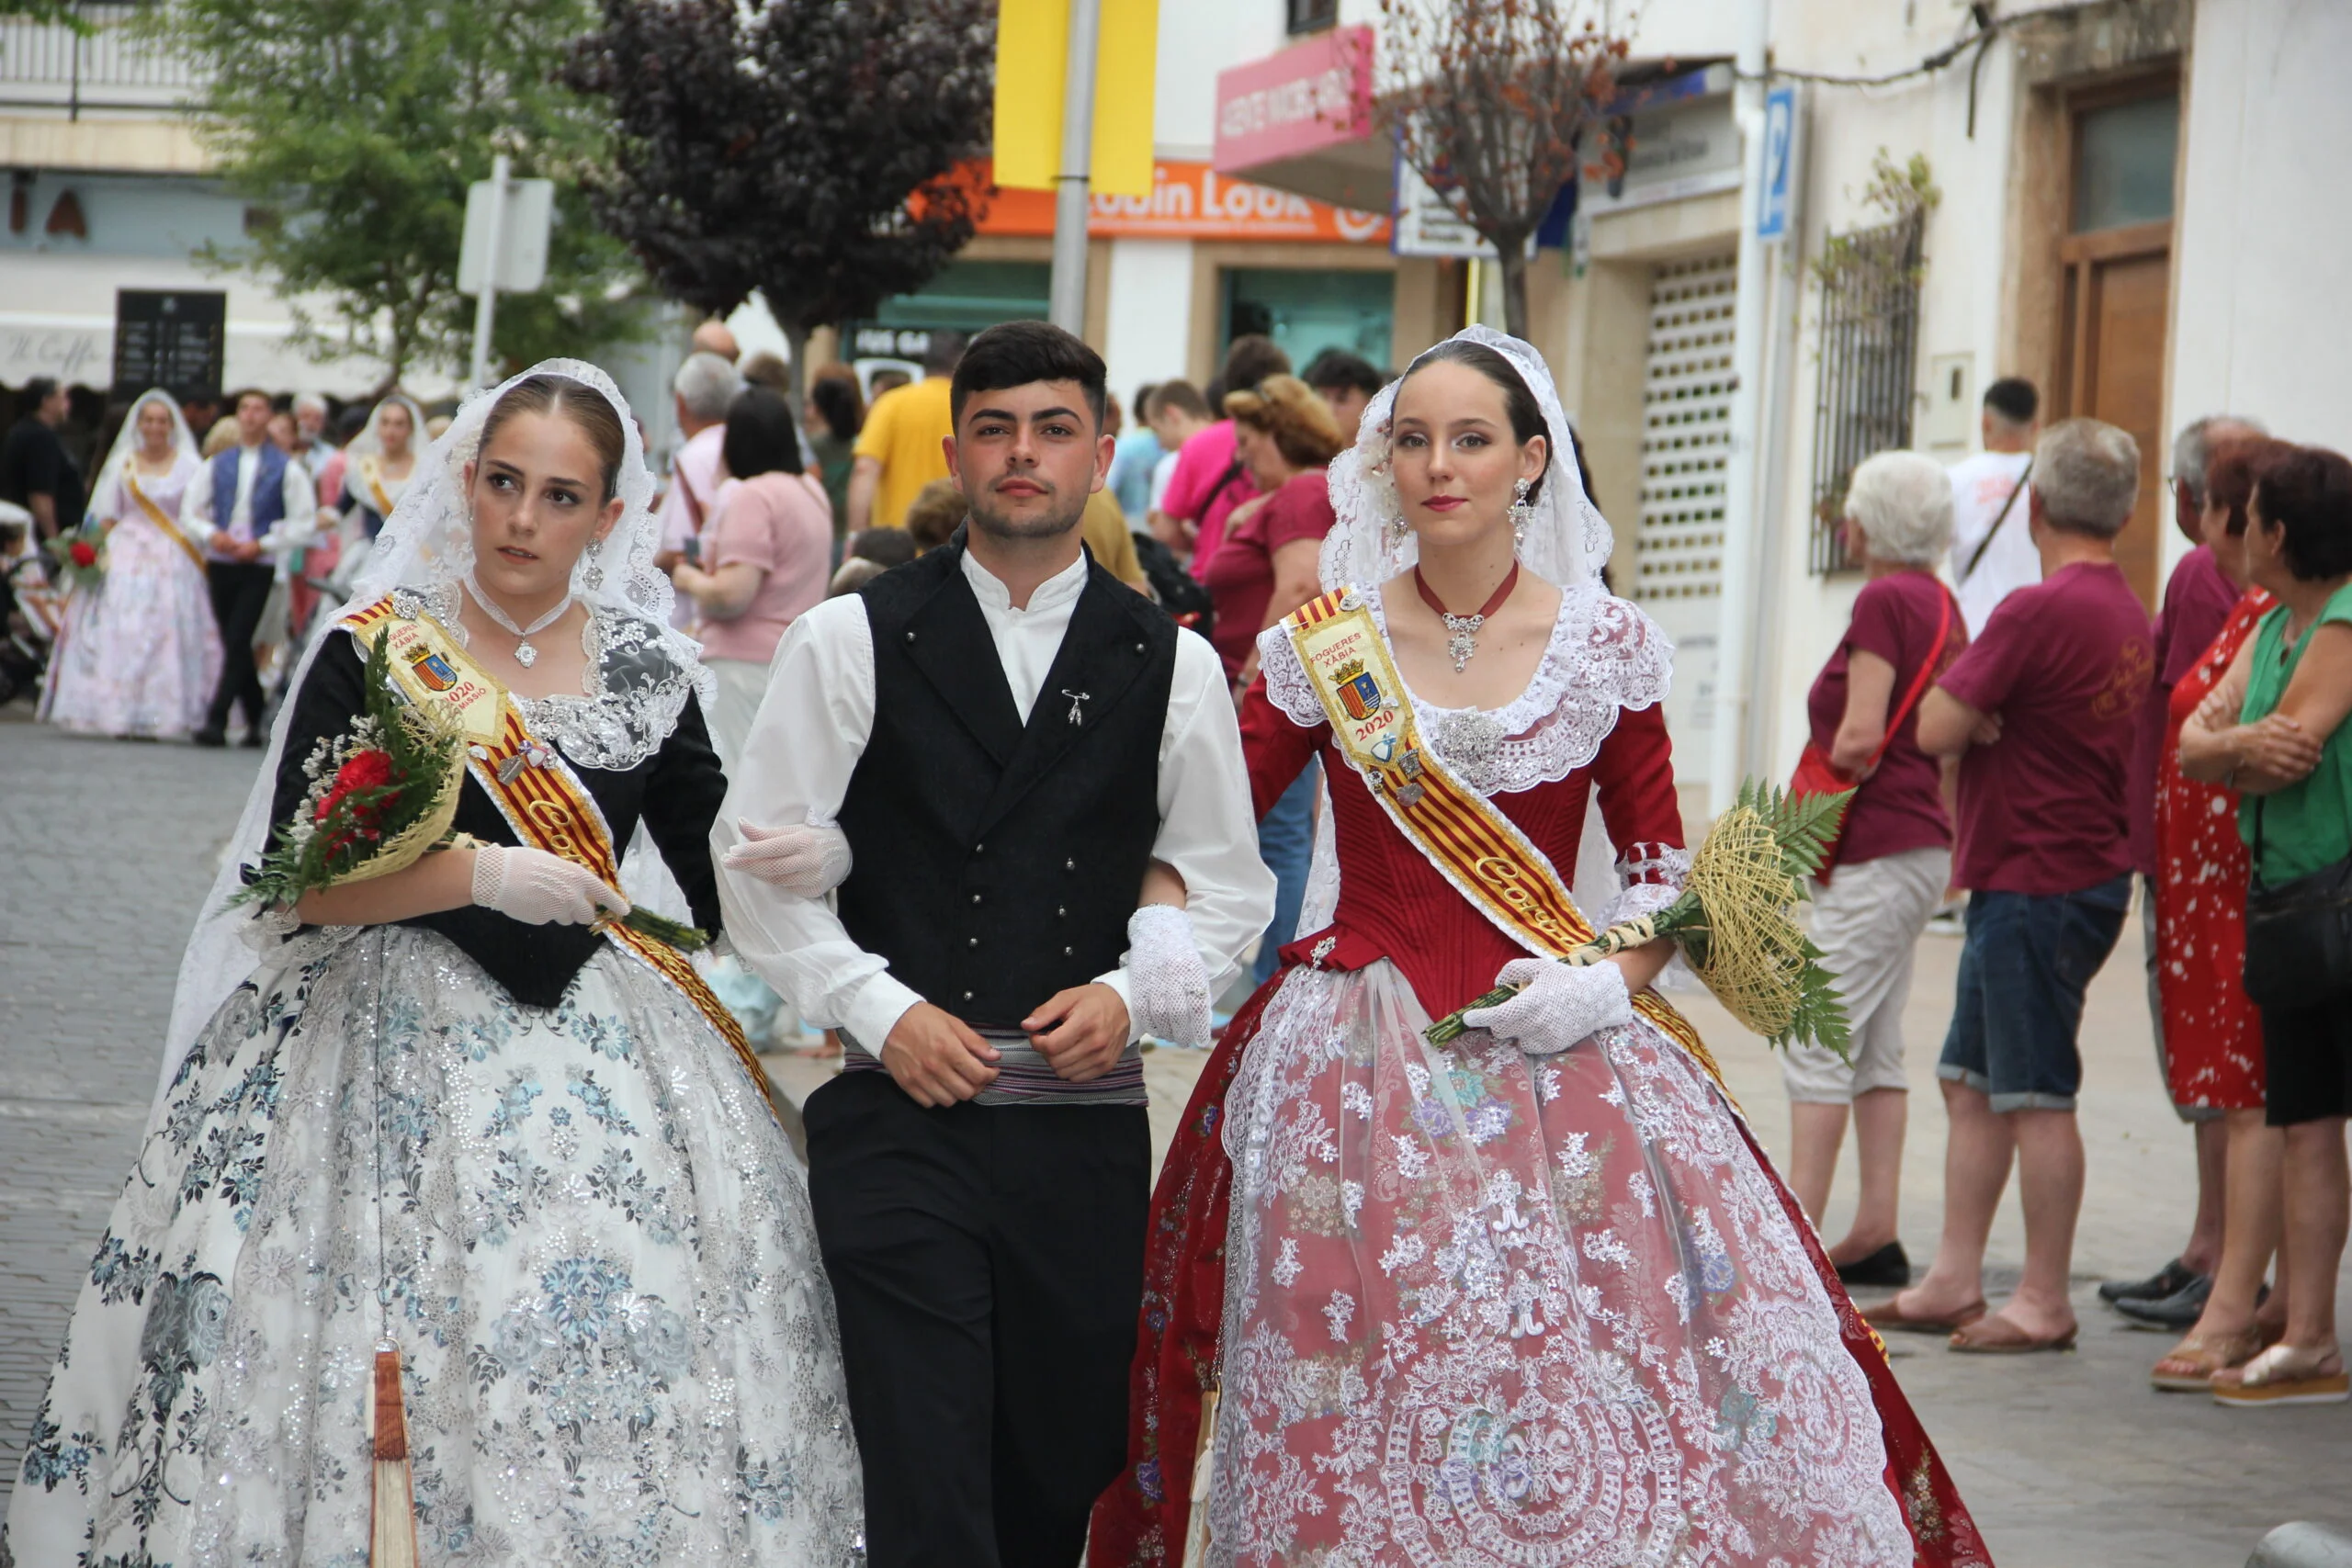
(357,126)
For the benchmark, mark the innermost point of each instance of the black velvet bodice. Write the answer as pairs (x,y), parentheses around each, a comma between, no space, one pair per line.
(676,791)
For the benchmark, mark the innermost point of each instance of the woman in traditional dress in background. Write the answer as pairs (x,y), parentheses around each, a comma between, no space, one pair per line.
(1535,1296)
(456,1108)
(382,461)
(140,651)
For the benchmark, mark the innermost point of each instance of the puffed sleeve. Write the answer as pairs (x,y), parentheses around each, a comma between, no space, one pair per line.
(681,801)
(1276,747)
(1634,775)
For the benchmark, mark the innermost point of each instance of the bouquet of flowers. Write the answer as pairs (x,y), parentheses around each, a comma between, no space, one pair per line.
(80,556)
(1732,922)
(381,798)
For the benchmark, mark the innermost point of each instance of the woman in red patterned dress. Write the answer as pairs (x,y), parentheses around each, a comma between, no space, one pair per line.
(2212,1032)
(1535,1296)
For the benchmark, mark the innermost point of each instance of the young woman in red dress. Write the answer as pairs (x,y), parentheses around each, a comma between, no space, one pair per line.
(1535,1296)
(2213,1030)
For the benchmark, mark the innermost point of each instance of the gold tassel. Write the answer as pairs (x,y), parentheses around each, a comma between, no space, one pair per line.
(1196,1532)
(392,1543)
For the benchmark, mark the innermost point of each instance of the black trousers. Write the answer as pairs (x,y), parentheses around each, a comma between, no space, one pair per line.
(988,1264)
(240,593)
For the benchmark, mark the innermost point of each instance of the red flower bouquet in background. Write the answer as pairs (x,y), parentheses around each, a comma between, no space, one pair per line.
(80,557)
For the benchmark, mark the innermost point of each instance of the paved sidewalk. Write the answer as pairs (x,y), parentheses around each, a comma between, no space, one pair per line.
(109,848)
(2069,1462)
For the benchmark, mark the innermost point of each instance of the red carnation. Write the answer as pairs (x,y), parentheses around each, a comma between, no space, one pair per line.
(364,771)
(83,552)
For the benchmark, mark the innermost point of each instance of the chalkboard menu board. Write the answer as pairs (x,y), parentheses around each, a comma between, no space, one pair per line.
(169,340)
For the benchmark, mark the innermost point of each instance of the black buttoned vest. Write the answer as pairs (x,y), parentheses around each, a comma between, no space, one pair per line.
(996,863)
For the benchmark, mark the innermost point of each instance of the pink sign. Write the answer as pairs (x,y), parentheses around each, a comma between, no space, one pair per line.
(1314,94)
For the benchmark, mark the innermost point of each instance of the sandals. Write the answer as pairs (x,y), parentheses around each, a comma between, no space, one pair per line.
(1887,1315)
(2285,1375)
(1996,1335)
(2196,1358)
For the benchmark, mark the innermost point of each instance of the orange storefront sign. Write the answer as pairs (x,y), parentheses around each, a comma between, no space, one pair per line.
(1189,201)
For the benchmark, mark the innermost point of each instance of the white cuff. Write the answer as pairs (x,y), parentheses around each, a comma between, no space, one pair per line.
(880,1004)
(1117,980)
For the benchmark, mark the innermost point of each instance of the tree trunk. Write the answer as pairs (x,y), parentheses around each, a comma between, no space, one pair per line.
(796,340)
(1513,251)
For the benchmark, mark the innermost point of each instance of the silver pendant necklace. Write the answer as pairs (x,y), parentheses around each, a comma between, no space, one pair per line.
(524,654)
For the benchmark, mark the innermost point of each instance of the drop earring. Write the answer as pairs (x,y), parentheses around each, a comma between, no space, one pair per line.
(1521,513)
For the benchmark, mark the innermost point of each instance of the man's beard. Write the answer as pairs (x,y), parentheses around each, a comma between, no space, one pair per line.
(1049,526)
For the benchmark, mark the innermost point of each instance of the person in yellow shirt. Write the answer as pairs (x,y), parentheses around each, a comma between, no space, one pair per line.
(902,446)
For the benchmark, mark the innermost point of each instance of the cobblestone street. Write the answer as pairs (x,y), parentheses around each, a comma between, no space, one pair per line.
(2067,1460)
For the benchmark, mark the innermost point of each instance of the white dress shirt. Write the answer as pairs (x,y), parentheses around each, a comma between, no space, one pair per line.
(297,528)
(814,724)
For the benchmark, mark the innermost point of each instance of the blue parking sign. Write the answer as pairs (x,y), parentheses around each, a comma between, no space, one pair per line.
(1777,176)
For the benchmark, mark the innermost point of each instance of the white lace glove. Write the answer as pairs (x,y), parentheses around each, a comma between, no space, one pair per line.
(537,888)
(1560,1006)
(1167,983)
(799,858)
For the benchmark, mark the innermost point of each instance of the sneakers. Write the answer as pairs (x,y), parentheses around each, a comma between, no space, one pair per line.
(2168,1281)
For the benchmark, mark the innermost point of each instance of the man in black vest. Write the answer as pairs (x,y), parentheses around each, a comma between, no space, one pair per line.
(1009,739)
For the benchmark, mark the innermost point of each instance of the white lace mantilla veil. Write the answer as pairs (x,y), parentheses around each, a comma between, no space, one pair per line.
(427,545)
(1566,543)
(126,442)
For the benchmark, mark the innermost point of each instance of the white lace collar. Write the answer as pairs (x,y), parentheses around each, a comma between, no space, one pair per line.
(632,692)
(1604,656)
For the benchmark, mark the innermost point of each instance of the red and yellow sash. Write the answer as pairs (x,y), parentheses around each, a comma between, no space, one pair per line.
(1475,847)
(157,515)
(536,789)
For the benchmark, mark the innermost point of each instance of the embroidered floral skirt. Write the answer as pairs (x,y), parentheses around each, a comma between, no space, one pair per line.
(140,652)
(1485,1308)
(581,1225)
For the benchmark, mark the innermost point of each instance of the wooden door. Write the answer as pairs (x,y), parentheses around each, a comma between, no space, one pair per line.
(2119,282)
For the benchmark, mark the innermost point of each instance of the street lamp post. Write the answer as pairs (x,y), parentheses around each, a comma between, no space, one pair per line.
(1066,295)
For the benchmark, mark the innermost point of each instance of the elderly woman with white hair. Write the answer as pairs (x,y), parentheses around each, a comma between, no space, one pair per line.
(1893,857)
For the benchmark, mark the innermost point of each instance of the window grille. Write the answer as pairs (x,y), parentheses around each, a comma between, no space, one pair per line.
(1870,339)
(1312,16)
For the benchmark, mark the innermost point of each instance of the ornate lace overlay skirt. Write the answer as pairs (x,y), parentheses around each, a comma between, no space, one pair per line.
(140,653)
(581,1226)
(1483,1308)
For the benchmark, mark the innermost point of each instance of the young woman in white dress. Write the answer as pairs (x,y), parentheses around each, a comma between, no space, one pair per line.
(445,1111)
(140,651)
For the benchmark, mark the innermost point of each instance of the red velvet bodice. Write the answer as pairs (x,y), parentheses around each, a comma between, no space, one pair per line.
(1394,903)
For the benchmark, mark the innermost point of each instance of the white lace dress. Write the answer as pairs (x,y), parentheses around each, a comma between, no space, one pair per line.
(1483,1308)
(140,652)
(580,1223)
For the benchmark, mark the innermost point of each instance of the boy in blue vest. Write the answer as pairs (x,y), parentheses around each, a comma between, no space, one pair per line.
(249,506)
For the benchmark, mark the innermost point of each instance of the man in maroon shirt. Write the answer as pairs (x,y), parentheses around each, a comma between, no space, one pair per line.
(2197,599)
(2041,711)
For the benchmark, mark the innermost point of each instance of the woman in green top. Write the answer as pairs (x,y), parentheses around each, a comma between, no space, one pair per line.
(2275,729)
(835,416)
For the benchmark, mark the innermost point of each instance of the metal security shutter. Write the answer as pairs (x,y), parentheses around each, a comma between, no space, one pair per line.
(1685,428)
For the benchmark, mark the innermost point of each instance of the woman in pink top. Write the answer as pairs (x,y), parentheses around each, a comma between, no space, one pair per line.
(763,558)
(1210,478)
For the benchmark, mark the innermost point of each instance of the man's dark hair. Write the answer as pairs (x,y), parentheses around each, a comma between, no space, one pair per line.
(883,546)
(2014,398)
(39,389)
(1250,359)
(1337,368)
(2307,492)
(1182,396)
(1018,353)
(760,436)
(1141,403)
(945,348)
(237,398)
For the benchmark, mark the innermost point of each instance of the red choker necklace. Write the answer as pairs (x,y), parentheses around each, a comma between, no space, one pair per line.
(1462,631)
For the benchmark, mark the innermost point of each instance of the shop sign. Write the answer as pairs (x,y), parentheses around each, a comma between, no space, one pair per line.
(1310,96)
(1677,150)
(69,351)
(1192,201)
